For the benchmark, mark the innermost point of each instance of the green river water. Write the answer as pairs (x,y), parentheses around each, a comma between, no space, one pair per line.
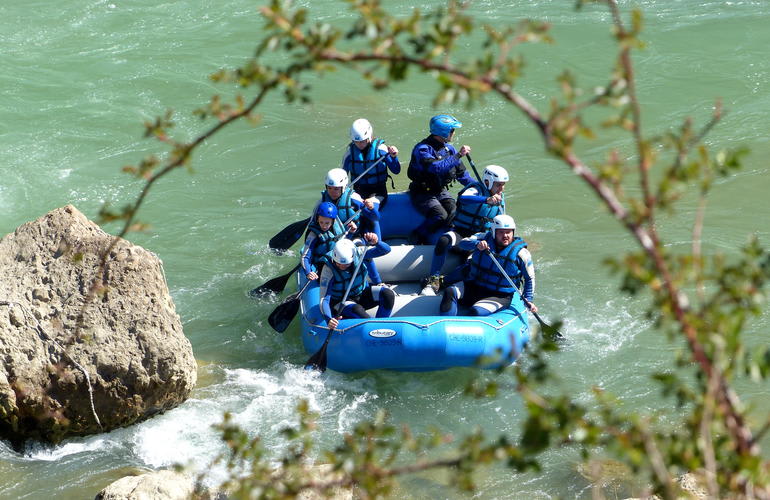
(78,78)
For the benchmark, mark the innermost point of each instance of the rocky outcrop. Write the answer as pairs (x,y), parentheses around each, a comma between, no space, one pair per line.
(158,485)
(128,359)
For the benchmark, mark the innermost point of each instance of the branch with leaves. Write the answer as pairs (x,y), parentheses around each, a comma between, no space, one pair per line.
(384,49)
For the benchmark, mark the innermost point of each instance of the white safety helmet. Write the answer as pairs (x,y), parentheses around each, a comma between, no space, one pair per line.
(343,252)
(361,130)
(503,221)
(492,174)
(337,177)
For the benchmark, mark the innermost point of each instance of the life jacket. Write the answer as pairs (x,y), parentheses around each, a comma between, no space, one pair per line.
(342,278)
(473,216)
(426,182)
(326,239)
(345,209)
(361,160)
(483,272)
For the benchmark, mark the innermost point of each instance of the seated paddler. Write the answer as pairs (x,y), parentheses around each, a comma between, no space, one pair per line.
(323,232)
(477,204)
(346,276)
(485,288)
(434,166)
(358,215)
(361,160)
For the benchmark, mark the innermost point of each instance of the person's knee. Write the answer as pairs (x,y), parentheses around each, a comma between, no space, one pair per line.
(442,245)
(485,307)
(387,298)
(353,310)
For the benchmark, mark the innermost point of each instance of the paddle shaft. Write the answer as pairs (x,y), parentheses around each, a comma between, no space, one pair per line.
(473,166)
(528,303)
(368,169)
(284,245)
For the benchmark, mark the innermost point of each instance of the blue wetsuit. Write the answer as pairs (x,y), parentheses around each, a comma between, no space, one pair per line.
(433,167)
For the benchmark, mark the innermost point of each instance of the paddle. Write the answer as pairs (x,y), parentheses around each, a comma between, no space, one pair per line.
(552,332)
(291,233)
(473,166)
(318,360)
(282,315)
(275,285)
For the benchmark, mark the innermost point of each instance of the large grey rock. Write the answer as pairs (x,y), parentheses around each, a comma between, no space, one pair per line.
(131,343)
(158,485)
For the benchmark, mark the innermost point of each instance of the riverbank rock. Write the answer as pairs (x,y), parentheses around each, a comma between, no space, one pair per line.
(157,485)
(129,359)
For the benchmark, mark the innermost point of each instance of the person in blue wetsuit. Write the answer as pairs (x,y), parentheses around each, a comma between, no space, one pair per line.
(434,165)
(364,150)
(341,272)
(360,216)
(485,289)
(323,232)
(477,204)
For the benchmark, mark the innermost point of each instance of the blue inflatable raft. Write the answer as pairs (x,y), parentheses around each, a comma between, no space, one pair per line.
(416,337)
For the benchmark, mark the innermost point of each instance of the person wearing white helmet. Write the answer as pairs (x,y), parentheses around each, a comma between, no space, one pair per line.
(360,215)
(340,273)
(363,151)
(477,204)
(485,289)
(434,165)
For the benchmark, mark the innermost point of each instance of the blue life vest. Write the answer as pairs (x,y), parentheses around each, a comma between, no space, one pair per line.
(425,182)
(361,160)
(342,278)
(345,209)
(326,239)
(484,272)
(473,216)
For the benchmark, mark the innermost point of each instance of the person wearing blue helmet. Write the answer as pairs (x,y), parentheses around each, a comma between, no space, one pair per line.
(324,231)
(434,166)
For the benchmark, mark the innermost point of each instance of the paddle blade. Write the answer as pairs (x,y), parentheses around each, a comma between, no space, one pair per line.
(275,285)
(318,360)
(282,316)
(549,332)
(288,235)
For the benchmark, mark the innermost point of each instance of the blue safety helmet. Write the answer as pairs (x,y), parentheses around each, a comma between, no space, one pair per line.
(327,209)
(442,125)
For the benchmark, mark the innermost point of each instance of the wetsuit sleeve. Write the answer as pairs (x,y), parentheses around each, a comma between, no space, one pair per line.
(307,253)
(426,156)
(393,164)
(528,272)
(465,179)
(326,279)
(381,248)
(373,214)
(472,195)
(358,204)
(469,244)
(347,162)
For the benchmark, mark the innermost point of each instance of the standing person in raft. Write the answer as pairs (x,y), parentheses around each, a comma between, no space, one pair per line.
(350,209)
(435,164)
(363,150)
(323,233)
(477,204)
(486,290)
(341,271)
